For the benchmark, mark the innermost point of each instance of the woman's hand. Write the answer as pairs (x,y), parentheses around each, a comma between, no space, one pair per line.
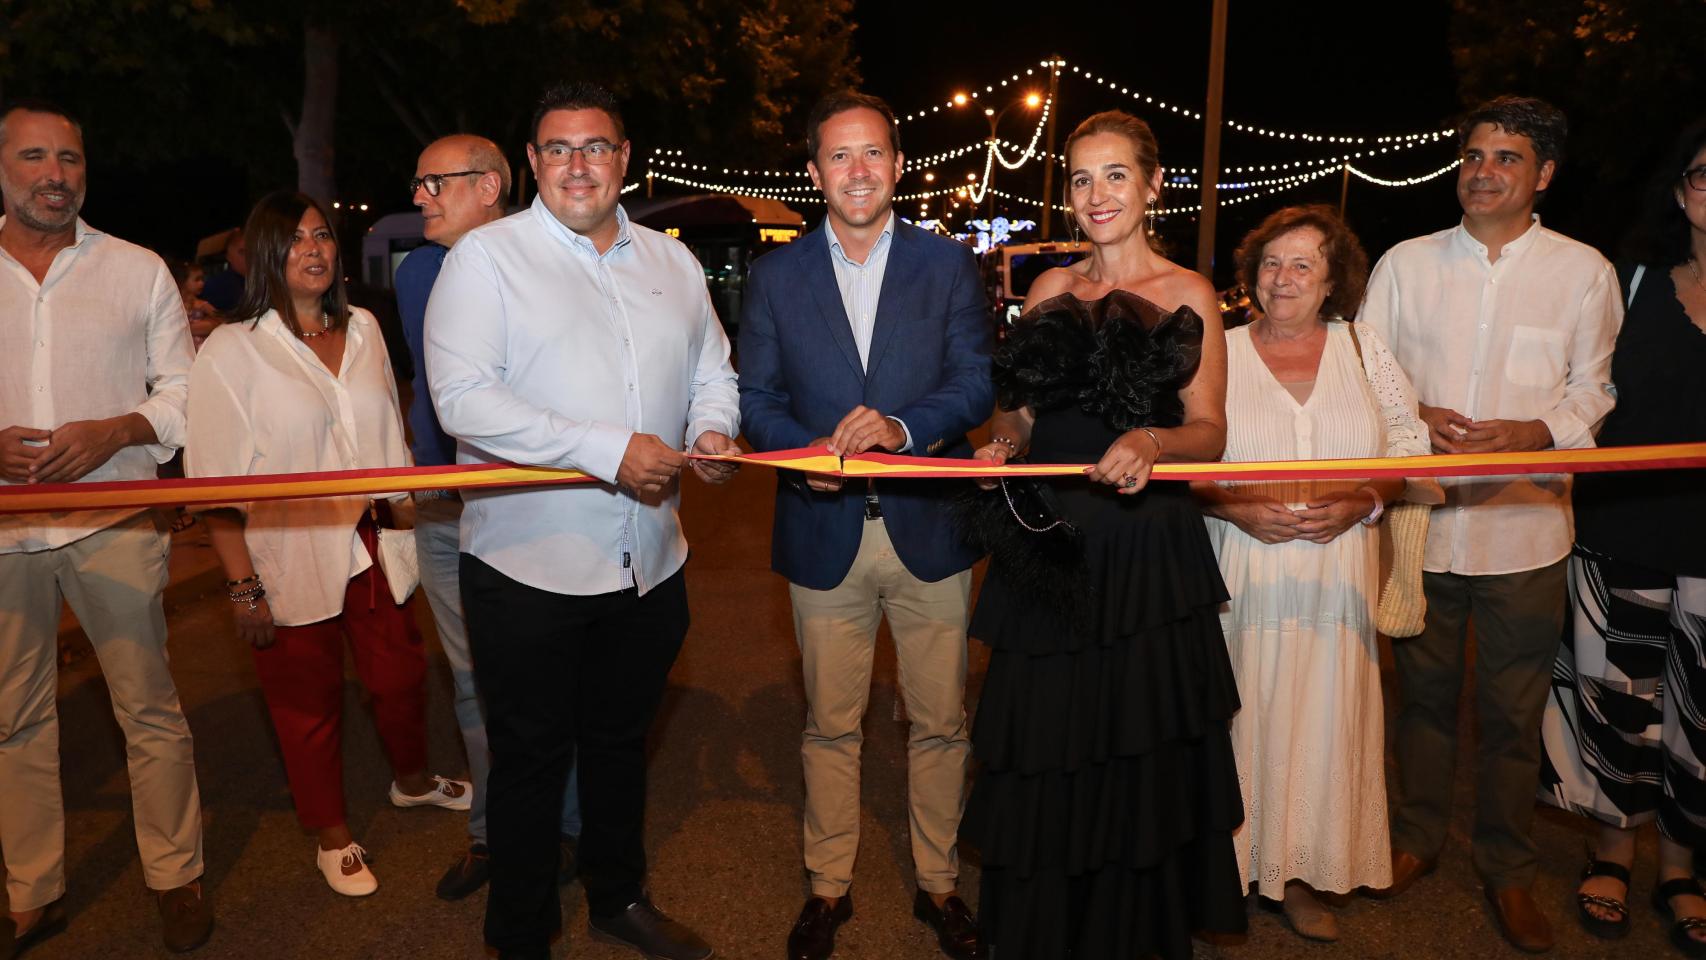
(403,513)
(1266,520)
(1127,463)
(255,627)
(1334,513)
(994,452)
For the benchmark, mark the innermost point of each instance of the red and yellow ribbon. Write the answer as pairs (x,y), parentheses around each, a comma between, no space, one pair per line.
(22,498)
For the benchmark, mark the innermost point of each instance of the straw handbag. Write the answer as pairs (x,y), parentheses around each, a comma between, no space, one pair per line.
(1403,537)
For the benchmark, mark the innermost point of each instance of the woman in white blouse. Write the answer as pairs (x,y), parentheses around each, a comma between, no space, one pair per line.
(1300,560)
(299,382)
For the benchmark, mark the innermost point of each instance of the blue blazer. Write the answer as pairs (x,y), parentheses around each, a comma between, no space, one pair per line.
(928,367)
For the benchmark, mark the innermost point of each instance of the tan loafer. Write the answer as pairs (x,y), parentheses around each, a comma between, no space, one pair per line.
(1407,868)
(1520,919)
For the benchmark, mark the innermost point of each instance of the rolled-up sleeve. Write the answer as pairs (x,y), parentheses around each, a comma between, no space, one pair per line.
(1588,395)
(467,351)
(169,357)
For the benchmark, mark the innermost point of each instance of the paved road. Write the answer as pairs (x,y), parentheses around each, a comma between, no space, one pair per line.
(723,827)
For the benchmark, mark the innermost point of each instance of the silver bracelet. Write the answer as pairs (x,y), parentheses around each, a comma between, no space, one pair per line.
(1152,436)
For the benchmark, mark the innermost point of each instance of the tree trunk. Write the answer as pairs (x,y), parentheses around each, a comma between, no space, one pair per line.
(314,146)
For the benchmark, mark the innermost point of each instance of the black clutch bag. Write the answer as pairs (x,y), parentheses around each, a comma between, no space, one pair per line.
(1020,526)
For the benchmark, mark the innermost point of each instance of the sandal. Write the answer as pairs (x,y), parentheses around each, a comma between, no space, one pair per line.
(1600,926)
(1681,928)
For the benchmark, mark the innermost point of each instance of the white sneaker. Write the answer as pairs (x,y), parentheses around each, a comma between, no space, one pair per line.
(443,794)
(336,865)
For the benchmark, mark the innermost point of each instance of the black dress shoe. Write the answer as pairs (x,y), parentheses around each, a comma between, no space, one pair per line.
(644,928)
(813,936)
(467,874)
(12,943)
(567,849)
(955,926)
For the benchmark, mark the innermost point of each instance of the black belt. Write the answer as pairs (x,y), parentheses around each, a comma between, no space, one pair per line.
(873,507)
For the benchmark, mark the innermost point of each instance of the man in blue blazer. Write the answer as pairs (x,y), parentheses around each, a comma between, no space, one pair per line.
(868,334)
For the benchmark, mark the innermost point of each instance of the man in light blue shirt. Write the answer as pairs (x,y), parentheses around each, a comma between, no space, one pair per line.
(566,336)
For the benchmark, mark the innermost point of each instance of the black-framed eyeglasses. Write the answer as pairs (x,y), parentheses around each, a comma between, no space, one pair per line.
(434,182)
(558,154)
(1695,177)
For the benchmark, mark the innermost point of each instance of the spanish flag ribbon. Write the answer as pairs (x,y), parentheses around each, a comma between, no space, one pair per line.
(24,498)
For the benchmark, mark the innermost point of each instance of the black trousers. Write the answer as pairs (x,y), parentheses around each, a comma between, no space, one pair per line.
(556,672)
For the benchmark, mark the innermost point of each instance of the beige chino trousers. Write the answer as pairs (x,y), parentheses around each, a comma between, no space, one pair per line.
(837,634)
(113,580)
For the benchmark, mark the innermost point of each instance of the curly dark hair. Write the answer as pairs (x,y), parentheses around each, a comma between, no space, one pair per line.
(1347,263)
(1660,237)
(1544,125)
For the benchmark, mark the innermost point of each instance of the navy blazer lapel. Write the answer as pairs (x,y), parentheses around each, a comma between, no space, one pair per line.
(820,278)
(894,303)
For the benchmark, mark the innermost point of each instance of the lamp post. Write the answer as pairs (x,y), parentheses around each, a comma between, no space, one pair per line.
(1029,101)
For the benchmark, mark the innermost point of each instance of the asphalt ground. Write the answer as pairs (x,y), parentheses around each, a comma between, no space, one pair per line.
(723,828)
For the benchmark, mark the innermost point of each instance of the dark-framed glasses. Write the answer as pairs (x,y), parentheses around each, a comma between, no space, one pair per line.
(1695,177)
(434,182)
(557,154)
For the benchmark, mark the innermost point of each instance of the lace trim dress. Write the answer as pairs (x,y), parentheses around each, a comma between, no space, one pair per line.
(1300,625)
(1107,791)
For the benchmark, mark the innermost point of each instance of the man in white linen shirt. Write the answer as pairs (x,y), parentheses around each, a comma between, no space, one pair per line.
(1506,328)
(94,364)
(567,336)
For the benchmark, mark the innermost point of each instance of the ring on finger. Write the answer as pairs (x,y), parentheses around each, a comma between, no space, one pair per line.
(1128,481)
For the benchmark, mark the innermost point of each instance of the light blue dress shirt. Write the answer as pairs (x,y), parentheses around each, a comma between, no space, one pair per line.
(540,350)
(861,286)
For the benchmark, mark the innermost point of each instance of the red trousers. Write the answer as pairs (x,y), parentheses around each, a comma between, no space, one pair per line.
(302,679)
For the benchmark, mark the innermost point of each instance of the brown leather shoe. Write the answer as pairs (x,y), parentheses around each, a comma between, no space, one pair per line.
(1520,919)
(1407,868)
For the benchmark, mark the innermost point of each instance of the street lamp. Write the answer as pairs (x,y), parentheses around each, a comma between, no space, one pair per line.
(1029,101)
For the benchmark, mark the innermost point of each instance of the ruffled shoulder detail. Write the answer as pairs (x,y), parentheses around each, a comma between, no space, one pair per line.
(1120,358)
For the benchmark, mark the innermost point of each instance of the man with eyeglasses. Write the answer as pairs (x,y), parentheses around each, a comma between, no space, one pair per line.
(460,183)
(567,336)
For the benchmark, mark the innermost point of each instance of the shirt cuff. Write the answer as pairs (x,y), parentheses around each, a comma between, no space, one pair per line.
(165,431)
(903,429)
(1568,433)
(600,452)
(699,428)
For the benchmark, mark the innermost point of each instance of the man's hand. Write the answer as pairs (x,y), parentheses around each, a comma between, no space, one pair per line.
(823,482)
(76,448)
(1503,436)
(1445,427)
(403,513)
(862,429)
(17,457)
(1267,520)
(1333,514)
(648,465)
(719,445)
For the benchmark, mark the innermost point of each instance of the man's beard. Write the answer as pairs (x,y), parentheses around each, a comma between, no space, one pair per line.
(27,213)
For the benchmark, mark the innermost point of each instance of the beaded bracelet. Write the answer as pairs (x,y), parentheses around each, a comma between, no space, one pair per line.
(1011,444)
(251,578)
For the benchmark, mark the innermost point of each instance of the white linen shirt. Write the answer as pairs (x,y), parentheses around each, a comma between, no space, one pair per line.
(261,402)
(1526,337)
(542,351)
(102,335)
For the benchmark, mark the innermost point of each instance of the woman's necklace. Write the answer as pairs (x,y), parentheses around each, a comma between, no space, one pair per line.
(324,329)
(1694,268)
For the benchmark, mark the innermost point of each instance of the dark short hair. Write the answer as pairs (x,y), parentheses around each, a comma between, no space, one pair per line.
(1661,235)
(269,230)
(577,95)
(1544,125)
(37,105)
(1347,263)
(841,102)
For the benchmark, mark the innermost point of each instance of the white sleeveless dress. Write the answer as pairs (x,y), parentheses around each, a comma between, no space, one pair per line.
(1310,737)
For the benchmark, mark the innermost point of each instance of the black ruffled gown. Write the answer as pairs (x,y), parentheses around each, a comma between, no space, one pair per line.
(1107,791)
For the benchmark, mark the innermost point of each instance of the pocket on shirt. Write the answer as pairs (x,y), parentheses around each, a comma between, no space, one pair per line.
(1537,356)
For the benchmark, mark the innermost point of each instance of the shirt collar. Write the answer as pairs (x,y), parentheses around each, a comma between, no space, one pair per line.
(835,242)
(624,229)
(1516,246)
(82,231)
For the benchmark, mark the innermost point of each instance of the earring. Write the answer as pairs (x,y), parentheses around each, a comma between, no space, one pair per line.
(1150,214)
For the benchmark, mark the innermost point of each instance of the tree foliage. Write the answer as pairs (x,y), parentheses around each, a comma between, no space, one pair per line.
(1629,73)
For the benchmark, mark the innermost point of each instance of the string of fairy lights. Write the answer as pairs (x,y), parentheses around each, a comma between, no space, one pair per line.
(1240,183)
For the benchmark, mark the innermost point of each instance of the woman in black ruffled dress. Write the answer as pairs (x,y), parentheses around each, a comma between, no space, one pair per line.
(1107,791)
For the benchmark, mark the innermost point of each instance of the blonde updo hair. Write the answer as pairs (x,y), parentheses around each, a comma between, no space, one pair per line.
(1136,132)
